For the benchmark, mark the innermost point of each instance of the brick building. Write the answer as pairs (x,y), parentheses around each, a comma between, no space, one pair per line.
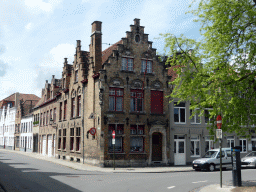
(122,88)
(47,107)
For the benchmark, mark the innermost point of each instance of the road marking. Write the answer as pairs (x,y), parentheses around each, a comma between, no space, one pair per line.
(200,181)
(170,187)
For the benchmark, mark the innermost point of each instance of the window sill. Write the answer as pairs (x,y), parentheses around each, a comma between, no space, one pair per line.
(157,114)
(195,123)
(123,135)
(79,152)
(115,112)
(124,71)
(138,113)
(150,74)
(179,123)
(137,153)
(78,117)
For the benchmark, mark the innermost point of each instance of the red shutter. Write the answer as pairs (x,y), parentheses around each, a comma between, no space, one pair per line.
(157,102)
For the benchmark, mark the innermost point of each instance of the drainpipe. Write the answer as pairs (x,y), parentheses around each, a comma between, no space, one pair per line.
(83,123)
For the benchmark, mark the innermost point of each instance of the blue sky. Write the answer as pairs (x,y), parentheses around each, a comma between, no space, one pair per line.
(36,35)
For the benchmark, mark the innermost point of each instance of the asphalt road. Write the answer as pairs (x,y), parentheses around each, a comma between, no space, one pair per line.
(23,173)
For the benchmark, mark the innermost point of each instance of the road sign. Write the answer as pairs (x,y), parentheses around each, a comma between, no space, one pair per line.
(114,134)
(219,121)
(113,141)
(219,133)
(92,131)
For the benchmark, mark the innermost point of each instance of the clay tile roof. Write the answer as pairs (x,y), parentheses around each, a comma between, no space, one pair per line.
(23,97)
(26,97)
(107,52)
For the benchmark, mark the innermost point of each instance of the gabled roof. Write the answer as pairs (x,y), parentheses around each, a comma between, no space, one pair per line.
(23,97)
(107,52)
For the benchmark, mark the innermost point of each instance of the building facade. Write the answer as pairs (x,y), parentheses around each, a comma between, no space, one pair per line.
(26,134)
(190,139)
(47,118)
(120,89)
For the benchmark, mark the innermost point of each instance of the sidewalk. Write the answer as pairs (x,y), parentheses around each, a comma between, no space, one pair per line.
(89,167)
(247,185)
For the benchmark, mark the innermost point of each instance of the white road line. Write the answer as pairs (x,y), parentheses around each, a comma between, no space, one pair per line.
(170,187)
(200,181)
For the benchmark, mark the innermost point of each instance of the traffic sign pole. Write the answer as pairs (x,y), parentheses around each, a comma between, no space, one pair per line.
(114,143)
(219,135)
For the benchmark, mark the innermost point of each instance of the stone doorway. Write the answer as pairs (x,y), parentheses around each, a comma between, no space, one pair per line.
(156,146)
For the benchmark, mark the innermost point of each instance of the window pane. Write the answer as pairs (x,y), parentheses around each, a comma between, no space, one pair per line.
(192,148)
(132,104)
(192,120)
(124,63)
(149,67)
(182,115)
(197,118)
(139,104)
(136,144)
(197,147)
(176,114)
(112,103)
(181,147)
(119,104)
(130,65)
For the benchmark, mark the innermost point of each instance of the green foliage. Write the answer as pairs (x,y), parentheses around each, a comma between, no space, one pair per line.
(220,70)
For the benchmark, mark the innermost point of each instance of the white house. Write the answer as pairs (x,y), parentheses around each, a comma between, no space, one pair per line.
(7,127)
(26,134)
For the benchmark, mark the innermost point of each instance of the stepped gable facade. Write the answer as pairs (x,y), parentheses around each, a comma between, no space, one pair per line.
(47,108)
(120,89)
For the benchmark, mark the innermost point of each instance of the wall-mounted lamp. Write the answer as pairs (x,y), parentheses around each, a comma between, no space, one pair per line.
(105,120)
(127,121)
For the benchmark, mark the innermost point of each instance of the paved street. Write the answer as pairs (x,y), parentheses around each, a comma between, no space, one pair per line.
(25,173)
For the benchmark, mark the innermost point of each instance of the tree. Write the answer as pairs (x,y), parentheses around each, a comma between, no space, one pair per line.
(220,70)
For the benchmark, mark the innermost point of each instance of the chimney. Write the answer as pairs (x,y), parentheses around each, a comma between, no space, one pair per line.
(95,46)
(78,45)
(136,22)
(17,99)
(65,61)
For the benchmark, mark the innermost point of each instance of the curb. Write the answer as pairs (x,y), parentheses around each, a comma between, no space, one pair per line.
(89,167)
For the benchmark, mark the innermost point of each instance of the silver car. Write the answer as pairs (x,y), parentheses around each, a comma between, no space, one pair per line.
(249,160)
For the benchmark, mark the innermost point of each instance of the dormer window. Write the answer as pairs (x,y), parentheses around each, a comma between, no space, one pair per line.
(146,66)
(127,64)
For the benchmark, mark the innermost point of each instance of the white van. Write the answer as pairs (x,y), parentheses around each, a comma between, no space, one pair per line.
(211,160)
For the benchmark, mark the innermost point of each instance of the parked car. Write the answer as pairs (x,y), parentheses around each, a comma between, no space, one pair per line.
(211,160)
(249,160)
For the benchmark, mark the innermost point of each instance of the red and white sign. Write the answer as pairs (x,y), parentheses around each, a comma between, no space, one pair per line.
(92,131)
(114,136)
(219,121)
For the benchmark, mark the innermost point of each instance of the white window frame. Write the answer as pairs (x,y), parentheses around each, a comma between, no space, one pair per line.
(211,143)
(193,120)
(209,119)
(177,107)
(195,139)
(230,138)
(243,139)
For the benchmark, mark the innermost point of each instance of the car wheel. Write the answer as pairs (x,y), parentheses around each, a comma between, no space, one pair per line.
(211,167)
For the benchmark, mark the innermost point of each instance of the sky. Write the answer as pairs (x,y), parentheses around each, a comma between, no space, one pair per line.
(36,35)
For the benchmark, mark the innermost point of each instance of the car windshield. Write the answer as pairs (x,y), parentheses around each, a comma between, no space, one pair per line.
(252,154)
(210,154)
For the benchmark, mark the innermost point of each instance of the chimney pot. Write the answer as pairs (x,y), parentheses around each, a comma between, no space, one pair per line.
(136,21)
